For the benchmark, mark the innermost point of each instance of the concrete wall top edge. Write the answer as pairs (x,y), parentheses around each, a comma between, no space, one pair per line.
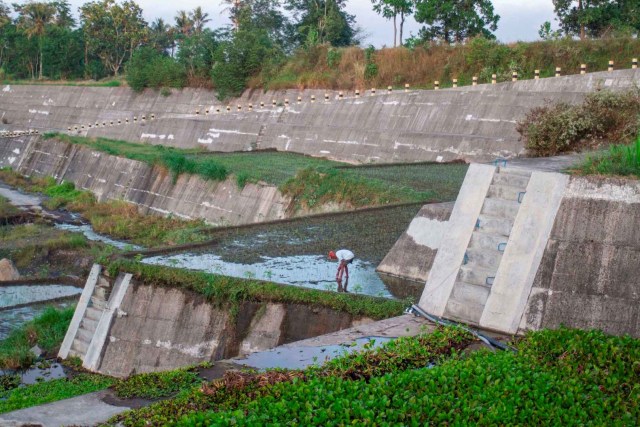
(626,190)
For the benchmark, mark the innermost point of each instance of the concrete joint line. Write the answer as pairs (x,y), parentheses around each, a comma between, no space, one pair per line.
(81,308)
(458,233)
(94,352)
(523,254)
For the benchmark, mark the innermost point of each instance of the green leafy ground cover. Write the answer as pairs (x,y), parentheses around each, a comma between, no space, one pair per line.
(157,384)
(52,391)
(237,389)
(46,330)
(620,160)
(563,377)
(233,291)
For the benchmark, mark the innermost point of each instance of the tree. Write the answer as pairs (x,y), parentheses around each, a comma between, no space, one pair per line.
(184,24)
(390,9)
(324,20)
(456,20)
(33,20)
(546,33)
(113,31)
(593,18)
(199,18)
(4,14)
(161,36)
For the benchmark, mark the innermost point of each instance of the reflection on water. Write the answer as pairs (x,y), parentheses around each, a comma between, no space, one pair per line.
(11,296)
(310,271)
(88,232)
(299,357)
(43,371)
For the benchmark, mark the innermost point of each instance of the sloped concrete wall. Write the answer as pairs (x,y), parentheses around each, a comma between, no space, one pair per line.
(151,188)
(412,255)
(165,328)
(589,276)
(473,123)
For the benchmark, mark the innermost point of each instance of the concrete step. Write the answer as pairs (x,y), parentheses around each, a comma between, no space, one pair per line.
(494,225)
(463,311)
(468,292)
(508,170)
(476,275)
(484,258)
(101,293)
(98,303)
(80,346)
(89,324)
(84,335)
(93,313)
(500,208)
(481,239)
(73,353)
(505,192)
(513,180)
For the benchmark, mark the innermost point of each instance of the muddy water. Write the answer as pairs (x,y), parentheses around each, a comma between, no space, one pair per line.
(12,318)
(300,357)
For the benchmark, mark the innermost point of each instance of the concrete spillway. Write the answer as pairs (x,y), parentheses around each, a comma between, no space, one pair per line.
(475,123)
(525,249)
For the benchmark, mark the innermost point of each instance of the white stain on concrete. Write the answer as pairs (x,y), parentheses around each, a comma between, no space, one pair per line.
(325,152)
(206,141)
(585,188)
(209,205)
(198,350)
(7,88)
(350,142)
(44,113)
(48,102)
(233,132)
(391,103)
(470,118)
(155,136)
(11,160)
(16,151)
(427,232)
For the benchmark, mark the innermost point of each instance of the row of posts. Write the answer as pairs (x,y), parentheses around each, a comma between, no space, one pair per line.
(18,133)
(111,123)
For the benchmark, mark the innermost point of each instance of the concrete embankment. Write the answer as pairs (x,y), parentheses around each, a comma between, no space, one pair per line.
(526,250)
(151,188)
(124,325)
(474,123)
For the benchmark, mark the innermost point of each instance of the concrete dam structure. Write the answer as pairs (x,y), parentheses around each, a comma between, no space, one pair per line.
(122,326)
(525,250)
(475,123)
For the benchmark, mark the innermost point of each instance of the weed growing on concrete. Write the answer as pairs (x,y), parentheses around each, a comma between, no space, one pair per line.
(52,391)
(622,160)
(46,330)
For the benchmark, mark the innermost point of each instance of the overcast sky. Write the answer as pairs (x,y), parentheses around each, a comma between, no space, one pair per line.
(519,19)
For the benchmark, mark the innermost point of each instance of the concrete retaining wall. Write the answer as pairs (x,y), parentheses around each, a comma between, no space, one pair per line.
(413,254)
(164,328)
(151,188)
(474,123)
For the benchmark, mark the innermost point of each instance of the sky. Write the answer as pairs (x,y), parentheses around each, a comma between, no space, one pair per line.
(519,19)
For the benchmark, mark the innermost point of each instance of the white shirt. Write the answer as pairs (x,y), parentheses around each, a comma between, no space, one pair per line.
(345,254)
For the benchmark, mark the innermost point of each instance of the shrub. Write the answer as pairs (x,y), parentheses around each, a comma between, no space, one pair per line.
(603,117)
(149,68)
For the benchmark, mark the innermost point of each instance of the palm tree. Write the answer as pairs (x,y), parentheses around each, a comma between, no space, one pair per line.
(199,18)
(33,19)
(184,24)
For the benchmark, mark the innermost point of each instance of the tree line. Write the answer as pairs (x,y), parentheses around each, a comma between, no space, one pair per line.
(41,39)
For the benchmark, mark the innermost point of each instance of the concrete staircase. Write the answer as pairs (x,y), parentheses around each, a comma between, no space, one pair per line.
(487,245)
(89,323)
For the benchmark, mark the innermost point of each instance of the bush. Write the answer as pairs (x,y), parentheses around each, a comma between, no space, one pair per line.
(603,117)
(149,68)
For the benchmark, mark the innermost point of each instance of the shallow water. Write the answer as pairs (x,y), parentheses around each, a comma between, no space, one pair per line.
(42,371)
(88,232)
(299,357)
(11,296)
(11,319)
(309,271)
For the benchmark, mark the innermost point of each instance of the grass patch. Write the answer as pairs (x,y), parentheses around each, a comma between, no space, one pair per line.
(52,391)
(236,389)
(561,377)
(157,384)
(46,330)
(621,160)
(118,219)
(229,290)
(6,208)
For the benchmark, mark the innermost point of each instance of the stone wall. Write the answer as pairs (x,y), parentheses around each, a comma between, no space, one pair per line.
(160,328)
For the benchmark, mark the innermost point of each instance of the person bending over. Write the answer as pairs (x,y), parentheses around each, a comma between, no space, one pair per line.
(344,257)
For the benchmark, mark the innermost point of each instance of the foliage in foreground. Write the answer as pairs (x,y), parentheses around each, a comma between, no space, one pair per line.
(236,389)
(52,391)
(603,117)
(233,291)
(622,160)
(564,377)
(157,384)
(47,331)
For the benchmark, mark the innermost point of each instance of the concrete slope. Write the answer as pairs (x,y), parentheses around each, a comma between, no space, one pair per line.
(475,122)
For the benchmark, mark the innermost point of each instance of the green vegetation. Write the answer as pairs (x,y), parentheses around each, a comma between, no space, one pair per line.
(52,391)
(115,218)
(233,291)
(622,160)
(238,388)
(604,117)
(46,330)
(157,384)
(6,208)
